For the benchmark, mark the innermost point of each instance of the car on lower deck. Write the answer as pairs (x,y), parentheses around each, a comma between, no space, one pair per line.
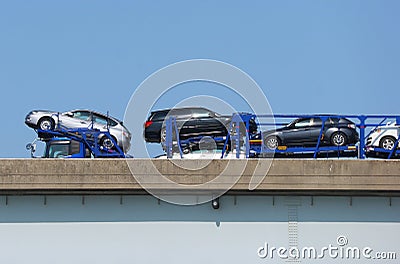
(384,137)
(305,132)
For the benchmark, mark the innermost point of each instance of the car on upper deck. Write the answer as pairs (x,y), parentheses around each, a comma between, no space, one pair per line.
(191,121)
(82,118)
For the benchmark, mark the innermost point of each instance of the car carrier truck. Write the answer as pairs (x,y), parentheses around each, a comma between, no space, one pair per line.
(75,143)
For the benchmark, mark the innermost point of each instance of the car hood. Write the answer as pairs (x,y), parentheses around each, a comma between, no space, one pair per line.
(42,112)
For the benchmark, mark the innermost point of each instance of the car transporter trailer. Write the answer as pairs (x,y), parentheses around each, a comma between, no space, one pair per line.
(253,145)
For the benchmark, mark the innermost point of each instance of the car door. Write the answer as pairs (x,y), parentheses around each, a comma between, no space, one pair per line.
(206,122)
(183,121)
(315,129)
(298,132)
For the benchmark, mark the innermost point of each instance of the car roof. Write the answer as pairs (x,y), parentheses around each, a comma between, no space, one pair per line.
(181,108)
(98,113)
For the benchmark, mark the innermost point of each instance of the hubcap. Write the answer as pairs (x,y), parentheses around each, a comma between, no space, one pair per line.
(108,143)
(388,144)
(272,143)
(45,125)
(163,135)
(338,139)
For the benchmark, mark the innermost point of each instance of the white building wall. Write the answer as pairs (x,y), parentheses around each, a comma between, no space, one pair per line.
(142,229)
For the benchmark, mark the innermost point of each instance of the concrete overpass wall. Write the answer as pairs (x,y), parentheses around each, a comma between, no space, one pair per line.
(94,211)
(113,175)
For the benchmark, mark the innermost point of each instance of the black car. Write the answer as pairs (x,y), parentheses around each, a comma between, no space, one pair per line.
(192,122)
(305,132)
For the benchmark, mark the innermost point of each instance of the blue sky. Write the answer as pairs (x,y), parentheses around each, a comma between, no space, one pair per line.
(308,56)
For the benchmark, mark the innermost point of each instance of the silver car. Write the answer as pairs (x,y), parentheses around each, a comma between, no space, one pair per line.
(49,120)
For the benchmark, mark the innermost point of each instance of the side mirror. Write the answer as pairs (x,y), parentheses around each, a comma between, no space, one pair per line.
(28,146)
(31,147)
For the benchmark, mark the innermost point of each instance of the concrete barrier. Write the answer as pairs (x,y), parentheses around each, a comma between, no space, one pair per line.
(285,176)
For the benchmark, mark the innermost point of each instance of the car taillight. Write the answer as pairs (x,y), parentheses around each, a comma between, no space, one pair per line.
(147,124)
(126,134)
(353,126)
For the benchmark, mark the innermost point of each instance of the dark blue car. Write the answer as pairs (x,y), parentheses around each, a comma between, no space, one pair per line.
(305,132)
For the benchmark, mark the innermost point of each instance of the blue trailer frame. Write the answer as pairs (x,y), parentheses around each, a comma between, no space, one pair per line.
(238,140)
(88,137)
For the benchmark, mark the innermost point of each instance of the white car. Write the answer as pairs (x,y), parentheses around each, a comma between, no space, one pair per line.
(82,118)
(384,136)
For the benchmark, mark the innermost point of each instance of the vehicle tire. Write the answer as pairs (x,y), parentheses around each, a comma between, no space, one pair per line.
(338,139)
(107,142)
(272,142)
(46,123)
(163,135)
(387,143)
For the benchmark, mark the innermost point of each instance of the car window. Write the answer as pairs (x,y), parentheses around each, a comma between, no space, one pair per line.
(303,123)
(157,116)
(334,120)
(103,120)
(100,120)
(58,150)
(112,122)
(201,113)
(316,121)
(180,113)
(82,115)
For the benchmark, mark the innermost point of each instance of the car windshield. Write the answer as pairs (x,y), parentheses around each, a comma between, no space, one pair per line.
(58,150)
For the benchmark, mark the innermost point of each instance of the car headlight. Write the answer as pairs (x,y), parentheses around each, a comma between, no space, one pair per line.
(377,130)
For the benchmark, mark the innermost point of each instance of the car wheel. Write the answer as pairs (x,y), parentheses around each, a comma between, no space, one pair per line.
(387,143)
(338,139)
(272,142)
(107,142)
(163,135)
(46,123)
